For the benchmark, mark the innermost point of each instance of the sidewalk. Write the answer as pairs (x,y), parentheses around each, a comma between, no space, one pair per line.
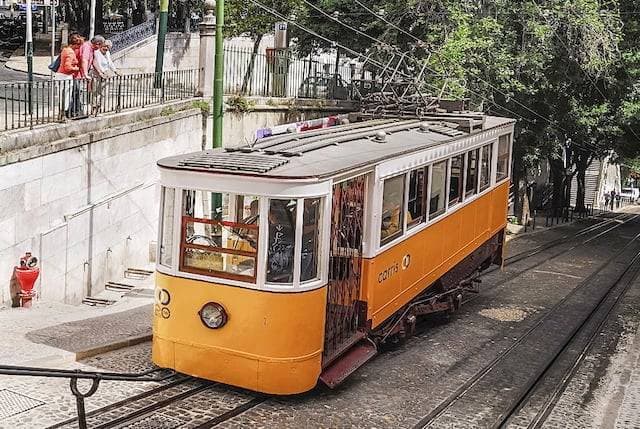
(40,65)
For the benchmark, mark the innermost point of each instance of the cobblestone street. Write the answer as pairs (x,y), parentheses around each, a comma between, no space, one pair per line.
(399,388)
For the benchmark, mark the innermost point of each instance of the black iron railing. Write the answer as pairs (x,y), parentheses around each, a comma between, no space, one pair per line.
(25,105)
(153,375)
(133,35)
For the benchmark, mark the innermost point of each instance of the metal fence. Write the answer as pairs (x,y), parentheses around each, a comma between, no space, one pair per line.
(283,75)
(24,105)
(133,35)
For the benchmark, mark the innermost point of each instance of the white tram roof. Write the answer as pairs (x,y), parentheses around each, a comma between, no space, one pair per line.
(338,150)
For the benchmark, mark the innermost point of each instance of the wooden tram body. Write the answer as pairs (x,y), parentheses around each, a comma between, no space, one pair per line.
(290,261)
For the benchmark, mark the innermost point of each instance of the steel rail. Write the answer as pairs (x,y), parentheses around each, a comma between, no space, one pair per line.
(232,413)
(118,404)
(465,387)
(604,309)
(517,274)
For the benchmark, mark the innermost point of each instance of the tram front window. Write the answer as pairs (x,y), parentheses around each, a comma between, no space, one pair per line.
(219,234)
(282,236)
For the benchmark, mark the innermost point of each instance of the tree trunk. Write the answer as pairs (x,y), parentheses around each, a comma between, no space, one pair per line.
(584,161)
(557,177)
(249,74)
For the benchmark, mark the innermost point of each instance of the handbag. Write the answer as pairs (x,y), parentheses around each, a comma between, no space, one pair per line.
(55,65)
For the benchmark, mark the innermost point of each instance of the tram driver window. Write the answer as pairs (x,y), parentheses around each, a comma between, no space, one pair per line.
(281,245)
(438,189)
(416,209)
(219,234)
(310,239)
(392,209)
(472,172)
(167,224)
(504,144)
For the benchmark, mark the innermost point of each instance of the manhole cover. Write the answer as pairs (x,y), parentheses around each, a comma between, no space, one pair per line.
(505,314)
(156,421)
(12,403)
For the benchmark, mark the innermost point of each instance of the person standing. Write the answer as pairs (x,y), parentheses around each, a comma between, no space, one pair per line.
(103,69)
(613,198)
(85,58)
(68,71)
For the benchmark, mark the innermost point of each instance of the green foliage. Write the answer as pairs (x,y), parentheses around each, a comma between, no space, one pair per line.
(240,104)
(204,106)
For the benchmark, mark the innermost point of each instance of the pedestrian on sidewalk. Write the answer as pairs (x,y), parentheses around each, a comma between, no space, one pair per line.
(86,55)
(606,199)
(103,69)
(613,198)
(68,71)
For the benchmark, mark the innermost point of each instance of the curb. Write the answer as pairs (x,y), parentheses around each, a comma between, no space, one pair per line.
(98,350)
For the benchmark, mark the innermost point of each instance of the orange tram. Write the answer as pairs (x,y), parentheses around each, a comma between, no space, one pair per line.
(294,259)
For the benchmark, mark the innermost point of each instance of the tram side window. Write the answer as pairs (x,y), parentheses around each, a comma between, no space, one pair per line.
(438,189)
(310,239)
(485,166)
(416,209)
(392,209)
(219,234)
(504,144)
(472,172)
(455,183)
(168,222)
(282,236)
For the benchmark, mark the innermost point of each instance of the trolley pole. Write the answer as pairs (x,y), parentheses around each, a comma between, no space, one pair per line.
(92,19)
(162,35)
(29,52)
(218,78)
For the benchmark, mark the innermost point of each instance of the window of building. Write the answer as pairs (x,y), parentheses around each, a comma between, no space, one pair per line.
(392,209)
(310,239)
(282,237)
(416,204)
(504,156)
(217,238)
(472,172)
(455,182)
(438,189)
(167,220)
(485,166)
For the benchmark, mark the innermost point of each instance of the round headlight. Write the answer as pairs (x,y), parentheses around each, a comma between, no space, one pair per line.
(213,315)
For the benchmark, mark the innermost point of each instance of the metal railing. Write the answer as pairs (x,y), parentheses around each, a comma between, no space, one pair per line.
(24,105)
(133,35)
(283,75)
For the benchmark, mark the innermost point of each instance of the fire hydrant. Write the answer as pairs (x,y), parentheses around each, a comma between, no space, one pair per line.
(27,274)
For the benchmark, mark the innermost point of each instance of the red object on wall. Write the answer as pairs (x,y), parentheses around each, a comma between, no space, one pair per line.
(27,278)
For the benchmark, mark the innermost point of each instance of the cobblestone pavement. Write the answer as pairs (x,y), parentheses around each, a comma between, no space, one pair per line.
(398,387)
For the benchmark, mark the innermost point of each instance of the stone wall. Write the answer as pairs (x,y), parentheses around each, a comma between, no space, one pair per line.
(86,204)
(82,196)
(181,53)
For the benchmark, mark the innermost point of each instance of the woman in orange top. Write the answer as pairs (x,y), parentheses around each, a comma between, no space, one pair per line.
(68,71)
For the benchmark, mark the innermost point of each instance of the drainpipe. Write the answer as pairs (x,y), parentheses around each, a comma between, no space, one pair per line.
(162,34)
(29,53)
(218,87)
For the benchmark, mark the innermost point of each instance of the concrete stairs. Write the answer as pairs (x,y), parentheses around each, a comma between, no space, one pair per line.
(135,283)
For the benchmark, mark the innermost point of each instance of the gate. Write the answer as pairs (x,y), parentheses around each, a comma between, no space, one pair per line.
(345,269)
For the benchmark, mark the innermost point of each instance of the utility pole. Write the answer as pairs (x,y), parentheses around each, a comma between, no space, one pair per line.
(92,20)
(162,35)
(29,52)
(54,3)
(218,79)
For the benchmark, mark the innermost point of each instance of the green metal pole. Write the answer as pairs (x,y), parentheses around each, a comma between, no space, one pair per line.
(218,87)
(162,35)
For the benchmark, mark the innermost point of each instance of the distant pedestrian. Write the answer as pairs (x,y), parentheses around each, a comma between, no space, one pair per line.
(613,198)
(103,69)
(618,197)
(68,71)
(606,199)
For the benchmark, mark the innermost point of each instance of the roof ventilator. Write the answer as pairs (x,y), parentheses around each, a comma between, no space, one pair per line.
(380,137)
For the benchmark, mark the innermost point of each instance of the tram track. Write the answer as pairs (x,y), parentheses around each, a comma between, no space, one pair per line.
(493,392)
(130,412)
(523,256)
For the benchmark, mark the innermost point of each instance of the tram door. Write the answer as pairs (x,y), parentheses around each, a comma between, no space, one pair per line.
(345,268)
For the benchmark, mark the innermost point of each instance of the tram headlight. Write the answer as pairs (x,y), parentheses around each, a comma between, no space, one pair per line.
(213,315)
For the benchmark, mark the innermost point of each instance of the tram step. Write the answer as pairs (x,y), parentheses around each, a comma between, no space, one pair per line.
(348,363)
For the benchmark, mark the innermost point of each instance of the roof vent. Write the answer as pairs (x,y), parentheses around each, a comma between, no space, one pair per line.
(380,137)
(424,127)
